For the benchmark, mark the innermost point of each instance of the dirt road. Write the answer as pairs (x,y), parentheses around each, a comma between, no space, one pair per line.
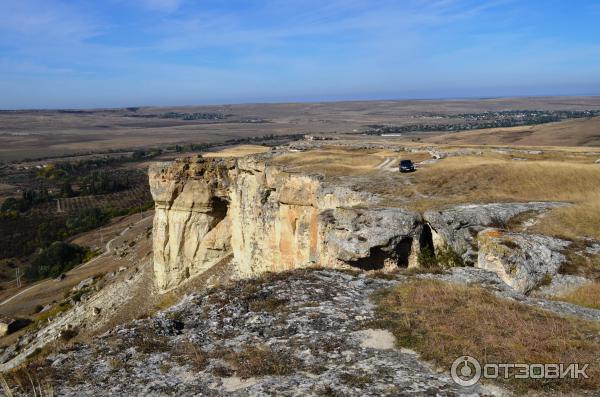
(126,230)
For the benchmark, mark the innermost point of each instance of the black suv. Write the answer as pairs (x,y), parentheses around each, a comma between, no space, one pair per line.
(406,166)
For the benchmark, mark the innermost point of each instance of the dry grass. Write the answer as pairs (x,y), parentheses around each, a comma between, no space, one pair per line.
(189,353)
(582,219)
(267,304)
(480,179)
(338,161)
(475,178)
(579,263)
(582,132)
(356,380)
(238,151)
(166,301)
(23,382)
(587,295)
(331,161)
(443,321)
(260,360)
(145,340)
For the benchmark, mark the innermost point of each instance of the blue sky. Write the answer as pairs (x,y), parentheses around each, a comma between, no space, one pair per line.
(110,53)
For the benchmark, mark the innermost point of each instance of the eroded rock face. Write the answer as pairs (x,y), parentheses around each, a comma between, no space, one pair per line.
(190,220)
(523,261)
(458,226)
(373,238)
(268,220)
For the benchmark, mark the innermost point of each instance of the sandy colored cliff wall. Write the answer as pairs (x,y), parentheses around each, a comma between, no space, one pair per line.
(268,220)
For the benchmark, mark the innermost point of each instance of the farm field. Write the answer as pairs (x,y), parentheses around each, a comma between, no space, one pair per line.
(47,133)
(121,200)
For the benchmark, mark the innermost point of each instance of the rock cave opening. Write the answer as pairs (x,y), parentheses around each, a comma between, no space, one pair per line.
(219,206)
(426,239)
(378,256)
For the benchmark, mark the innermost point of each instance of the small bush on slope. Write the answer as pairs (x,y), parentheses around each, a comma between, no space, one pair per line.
(444,258)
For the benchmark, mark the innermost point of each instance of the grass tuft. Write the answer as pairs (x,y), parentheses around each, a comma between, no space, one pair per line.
(261,360)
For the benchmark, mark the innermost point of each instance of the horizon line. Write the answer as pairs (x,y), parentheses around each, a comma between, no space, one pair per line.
(292,102)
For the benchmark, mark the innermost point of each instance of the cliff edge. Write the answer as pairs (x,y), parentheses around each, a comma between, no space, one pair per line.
(266,219)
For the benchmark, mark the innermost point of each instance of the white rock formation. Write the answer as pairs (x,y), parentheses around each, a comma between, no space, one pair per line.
(458,226)
(523,261)
(268,220)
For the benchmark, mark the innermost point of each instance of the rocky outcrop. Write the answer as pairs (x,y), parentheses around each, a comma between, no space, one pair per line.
(319,347)
(268,220)
(523,261)
(458,226)
(314,332)
(371,239)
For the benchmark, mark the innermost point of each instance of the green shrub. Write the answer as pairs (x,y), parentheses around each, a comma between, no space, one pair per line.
(444,258)
(447,257)
(427,258)
(87,219)
(58,258)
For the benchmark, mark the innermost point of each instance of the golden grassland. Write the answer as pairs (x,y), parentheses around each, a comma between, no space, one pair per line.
(238,151)
(338,161)
(579,132)
(565,175)
(587,295)
(476,179)
(444,321)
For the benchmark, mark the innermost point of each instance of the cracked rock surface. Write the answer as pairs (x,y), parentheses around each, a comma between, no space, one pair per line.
(459,225)
(308,328)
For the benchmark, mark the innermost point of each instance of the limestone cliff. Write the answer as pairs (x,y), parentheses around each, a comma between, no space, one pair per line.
(267,219)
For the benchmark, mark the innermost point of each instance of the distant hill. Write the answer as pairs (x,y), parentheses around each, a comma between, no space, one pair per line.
(582,132)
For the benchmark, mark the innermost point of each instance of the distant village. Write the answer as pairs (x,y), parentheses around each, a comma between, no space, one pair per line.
(474,121)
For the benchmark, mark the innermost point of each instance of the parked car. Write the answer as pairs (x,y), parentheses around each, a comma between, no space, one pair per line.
(406,166)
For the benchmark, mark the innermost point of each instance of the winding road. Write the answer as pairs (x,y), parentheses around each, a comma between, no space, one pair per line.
(106,252)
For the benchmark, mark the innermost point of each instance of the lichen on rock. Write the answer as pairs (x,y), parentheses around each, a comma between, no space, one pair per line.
(523,261)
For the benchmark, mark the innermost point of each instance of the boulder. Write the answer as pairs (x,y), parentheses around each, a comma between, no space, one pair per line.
(9,325)
(84,284)
(458,226)
(372,238)
(4,324)
(523,261)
